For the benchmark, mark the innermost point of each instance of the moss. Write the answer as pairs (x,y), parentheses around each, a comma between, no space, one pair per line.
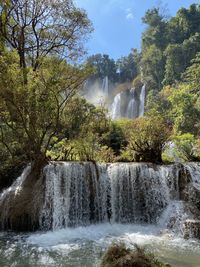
(118,255)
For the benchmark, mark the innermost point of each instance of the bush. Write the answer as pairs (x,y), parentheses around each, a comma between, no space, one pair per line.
(81,149)
(147,137)
(120,256)
(187,147)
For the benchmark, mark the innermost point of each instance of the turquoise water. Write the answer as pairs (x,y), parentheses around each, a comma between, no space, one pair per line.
(84,246)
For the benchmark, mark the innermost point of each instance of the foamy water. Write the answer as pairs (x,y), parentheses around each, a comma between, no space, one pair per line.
(84,246)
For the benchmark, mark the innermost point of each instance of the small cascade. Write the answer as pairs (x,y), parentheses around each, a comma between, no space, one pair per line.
(76,194)
(136,198)
(142,101)
(8,196)
(174,216)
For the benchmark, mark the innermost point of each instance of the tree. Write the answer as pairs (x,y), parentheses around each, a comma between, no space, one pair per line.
(153,66)
(184,113)
(192,75)
(155,34)
(187,147)
(37,77)
(37,28)
(169,45)
(104,66)
(185,24)
(33,111)
(128,67)
(178,58)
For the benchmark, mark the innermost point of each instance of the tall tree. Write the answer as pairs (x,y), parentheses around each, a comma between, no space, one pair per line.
(37,80)
(104,66)
(37,28)
(128,66)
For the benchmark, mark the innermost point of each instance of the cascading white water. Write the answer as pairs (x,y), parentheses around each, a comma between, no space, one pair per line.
(14,189)
(124,194)
(116,107)
(142,101)
(76,194)
(105,86)
(130,105)
(83,193)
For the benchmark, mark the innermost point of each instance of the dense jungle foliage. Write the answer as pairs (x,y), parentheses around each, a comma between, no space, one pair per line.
(42,115)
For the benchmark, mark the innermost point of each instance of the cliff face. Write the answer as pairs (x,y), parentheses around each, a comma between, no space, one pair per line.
(69,194)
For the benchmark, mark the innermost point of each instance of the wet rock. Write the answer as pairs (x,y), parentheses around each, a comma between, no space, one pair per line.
(20,204)
(194,194)
(192,229)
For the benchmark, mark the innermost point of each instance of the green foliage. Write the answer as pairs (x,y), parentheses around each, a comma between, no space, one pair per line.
(153,66)
(178,58)
(118,255)
(184,24)
(36,84)
(169,45)
(128,67)
(125,69)
(33,111)
(104,66)
(184,113)
(156,31)
(192,75)
(147,137)
(187,147)
(35,35)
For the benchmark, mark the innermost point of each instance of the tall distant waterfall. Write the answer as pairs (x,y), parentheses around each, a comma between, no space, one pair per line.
(142,101)
(105,86)
(116,107)
(129,104)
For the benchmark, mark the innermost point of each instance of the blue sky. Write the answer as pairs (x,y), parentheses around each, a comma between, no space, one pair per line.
(117,23)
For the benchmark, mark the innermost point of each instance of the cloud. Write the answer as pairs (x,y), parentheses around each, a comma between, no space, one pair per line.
(129,13)
(129,16)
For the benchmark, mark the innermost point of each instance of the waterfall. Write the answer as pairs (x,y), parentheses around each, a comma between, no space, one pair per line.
(142,101)
(84,193)
(76,194)
(129,103)
(116,107)
(132,105)
(71,194)
(105,86)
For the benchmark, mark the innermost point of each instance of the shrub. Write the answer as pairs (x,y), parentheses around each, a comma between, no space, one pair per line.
(147,137)
(187,147)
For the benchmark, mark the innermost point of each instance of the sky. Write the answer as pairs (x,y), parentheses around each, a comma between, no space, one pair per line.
(118,23)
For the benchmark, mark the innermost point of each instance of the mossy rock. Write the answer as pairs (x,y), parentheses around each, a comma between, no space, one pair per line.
(118,255)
